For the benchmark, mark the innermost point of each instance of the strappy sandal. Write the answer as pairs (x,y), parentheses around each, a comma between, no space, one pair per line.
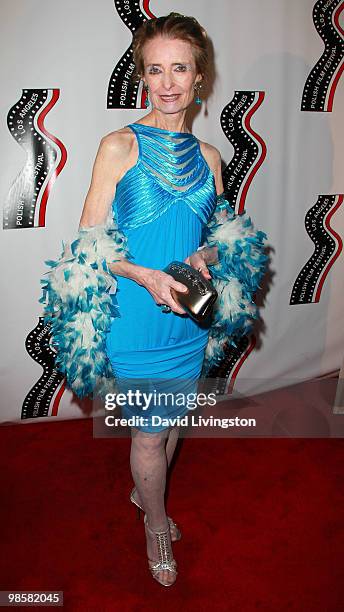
(172,524)
(166,560)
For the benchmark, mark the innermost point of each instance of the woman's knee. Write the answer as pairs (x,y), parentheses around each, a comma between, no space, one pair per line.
(149,442)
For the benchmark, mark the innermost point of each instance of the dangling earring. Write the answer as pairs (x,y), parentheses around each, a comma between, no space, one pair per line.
(147,99)
(197,87)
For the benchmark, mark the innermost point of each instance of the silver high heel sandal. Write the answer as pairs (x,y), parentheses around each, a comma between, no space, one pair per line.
(172,524)
(166,560)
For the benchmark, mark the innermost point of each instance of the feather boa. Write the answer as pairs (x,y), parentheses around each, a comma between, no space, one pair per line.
(79,308)
(236,276)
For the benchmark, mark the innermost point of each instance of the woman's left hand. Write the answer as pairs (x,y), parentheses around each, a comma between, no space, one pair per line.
(196,260)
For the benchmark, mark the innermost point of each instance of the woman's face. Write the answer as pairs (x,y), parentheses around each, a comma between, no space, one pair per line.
(170,73)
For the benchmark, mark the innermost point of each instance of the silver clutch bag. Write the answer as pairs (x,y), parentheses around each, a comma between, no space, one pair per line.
(201,295)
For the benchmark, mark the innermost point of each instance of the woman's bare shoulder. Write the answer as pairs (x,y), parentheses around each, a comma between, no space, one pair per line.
(211,154)
(213,158)
(119,141)
(117,149)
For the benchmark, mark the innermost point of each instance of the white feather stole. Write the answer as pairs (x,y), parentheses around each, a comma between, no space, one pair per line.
(79,308)
(236,276)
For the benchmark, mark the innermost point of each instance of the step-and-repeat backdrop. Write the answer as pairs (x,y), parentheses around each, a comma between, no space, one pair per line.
(274,108)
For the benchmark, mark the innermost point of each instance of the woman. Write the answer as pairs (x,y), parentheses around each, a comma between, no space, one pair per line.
(159,186)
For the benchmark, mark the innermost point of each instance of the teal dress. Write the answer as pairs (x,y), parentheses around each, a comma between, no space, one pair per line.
(161,204)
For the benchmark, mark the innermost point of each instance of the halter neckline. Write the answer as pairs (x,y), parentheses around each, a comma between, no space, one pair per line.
(152,127)
(170,170)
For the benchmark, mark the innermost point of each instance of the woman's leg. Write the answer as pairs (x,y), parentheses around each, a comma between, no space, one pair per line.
(148,463)
(172,443)
(148,466)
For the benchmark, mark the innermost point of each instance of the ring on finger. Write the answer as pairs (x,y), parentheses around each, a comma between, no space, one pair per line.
(165,308)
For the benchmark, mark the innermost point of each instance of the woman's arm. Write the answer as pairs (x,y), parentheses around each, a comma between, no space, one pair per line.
(109,162)
(113,149)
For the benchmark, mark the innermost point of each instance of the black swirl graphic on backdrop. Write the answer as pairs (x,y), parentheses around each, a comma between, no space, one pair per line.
(249,154)
(39,399)
(122,91)
(27,199)
(222,377)
(320,86)
(328,246)
(249,147)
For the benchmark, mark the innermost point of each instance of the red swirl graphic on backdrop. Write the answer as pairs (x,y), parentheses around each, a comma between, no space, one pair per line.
(261,146)
(145,6)
(63,158)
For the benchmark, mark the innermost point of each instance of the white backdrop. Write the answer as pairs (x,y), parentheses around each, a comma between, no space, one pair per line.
(268,46)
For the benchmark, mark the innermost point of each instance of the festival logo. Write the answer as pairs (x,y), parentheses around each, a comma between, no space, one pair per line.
(44,397)
(249,154)
(320,87)
(27,199)
(224,375)
(327,248)
(249,147)
(122,91)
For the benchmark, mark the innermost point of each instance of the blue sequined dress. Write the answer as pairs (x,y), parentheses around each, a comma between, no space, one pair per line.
(161,205)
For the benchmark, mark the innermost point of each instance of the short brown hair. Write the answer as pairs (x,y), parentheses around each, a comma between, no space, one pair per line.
(173,25)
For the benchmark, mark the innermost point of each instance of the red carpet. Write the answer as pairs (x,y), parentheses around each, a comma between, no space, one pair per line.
(262,522)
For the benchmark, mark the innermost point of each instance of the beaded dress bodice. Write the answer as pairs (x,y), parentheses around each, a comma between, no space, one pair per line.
(170,168)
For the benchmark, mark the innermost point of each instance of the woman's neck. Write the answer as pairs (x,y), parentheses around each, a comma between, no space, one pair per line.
(172,122)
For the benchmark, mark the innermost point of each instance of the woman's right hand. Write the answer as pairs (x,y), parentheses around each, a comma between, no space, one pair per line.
(159,285)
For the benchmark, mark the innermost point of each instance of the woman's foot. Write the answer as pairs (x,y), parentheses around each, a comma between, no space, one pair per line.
(175,532)
(162,565)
